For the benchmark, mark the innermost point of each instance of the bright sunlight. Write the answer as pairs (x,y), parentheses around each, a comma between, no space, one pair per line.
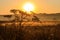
(28,7)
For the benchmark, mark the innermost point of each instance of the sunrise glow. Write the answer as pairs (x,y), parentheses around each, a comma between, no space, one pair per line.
(28,7)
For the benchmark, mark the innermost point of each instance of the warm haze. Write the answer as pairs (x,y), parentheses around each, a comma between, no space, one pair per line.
(41,6)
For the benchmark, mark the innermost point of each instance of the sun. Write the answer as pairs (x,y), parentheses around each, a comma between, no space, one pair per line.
(28,7)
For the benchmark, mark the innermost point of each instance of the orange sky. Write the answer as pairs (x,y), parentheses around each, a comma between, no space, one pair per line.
(41,6)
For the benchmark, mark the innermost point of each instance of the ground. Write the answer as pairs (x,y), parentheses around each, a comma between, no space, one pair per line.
(13,32)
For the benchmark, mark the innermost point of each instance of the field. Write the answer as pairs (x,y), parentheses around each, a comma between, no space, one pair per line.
(30,31)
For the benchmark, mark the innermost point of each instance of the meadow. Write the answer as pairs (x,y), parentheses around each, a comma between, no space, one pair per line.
(30,31)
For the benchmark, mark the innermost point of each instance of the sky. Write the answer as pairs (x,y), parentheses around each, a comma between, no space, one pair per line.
(41,6)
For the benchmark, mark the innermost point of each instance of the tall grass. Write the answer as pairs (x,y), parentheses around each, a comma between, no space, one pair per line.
(13,31)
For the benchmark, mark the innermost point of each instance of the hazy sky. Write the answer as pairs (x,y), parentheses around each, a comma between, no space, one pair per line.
(41,6)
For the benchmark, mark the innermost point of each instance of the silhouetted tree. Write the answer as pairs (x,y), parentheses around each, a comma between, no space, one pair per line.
(16,15)
(35,18)
(14,11)
(23,15)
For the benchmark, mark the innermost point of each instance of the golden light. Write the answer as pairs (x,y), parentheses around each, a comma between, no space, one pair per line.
(28,7)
